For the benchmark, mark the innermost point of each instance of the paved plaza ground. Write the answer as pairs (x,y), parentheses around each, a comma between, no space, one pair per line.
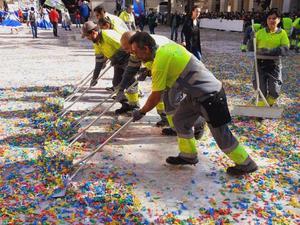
(128,182)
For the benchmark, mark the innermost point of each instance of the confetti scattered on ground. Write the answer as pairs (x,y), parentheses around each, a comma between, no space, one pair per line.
(34,157)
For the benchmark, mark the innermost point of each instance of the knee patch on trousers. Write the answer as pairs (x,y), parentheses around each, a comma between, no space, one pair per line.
(217,109)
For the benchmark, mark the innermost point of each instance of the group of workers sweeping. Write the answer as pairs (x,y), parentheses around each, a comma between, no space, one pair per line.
(185,93)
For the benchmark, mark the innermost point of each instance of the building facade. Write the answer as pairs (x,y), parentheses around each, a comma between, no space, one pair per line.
(229,5)
(208,5)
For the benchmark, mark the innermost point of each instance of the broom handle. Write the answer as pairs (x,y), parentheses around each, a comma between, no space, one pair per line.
(256,70)
(77,99)
(79,86)
(98,148)
(95,107)
(77,136)
(99,104)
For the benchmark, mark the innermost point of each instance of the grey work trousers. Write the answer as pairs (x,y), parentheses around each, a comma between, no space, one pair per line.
(270,77)
(172,98)
(188,113)
(118,72)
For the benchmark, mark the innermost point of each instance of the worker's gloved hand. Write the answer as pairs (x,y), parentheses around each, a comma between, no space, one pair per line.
(263,50)
(143,74)
(120,97)
(137,115)
(93,82)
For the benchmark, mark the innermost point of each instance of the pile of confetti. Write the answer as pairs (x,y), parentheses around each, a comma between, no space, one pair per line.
(60,128)
(53,105)
(40,119)
(65,91)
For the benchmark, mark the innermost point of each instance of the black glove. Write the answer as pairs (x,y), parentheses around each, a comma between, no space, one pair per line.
(137,115)
(262,51)
(120,97)
(93,82)
(143,74)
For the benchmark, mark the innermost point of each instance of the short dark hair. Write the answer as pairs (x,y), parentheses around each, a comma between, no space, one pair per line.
(99,9)
(273,11)
(103,21)
(195,7)
(143,39)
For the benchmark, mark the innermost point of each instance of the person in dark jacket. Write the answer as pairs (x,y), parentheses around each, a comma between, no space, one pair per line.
(175,22)
(190,33)
(151,20)
(142,21)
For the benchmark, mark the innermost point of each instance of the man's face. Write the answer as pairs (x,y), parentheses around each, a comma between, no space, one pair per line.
(105,26)
(126,46)
(130,9)
(99,15)
(144,54)
(93,36)
(273,21)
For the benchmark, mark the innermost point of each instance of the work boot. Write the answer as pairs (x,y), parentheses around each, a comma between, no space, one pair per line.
(271,101)
(168,132)
(178,160)
(243,48)
(163,121)
(261,103)
(125,108)
(239,170)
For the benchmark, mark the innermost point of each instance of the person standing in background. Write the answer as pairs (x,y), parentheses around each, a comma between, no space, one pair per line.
(190,34)
(85,11)
(54,17)
(20,15)
(32,20)
(128,17)
(68,21)
(151,19)
(142,21)
(175,22)
(77,19)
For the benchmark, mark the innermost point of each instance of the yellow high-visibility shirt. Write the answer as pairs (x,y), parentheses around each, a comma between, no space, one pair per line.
(127,17)
(268,40)
(169,62)
(118,23)
(109,43)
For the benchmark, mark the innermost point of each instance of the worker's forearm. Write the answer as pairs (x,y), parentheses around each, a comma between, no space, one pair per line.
(152,101)
(97,70)
(128,77)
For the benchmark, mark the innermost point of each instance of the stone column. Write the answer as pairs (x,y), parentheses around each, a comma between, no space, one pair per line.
(236,6)
(286,6)
(251,5)
(223,5)
(211,5)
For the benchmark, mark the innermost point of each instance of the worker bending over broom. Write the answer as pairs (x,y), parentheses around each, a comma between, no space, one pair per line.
(173,65)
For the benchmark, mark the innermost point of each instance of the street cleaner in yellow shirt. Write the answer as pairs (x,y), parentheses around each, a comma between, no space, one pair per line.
(173,66)
(107,46)
(117,23)
(170,100)
(272,42)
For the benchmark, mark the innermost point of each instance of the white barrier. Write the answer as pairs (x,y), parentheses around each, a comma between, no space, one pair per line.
(222,24)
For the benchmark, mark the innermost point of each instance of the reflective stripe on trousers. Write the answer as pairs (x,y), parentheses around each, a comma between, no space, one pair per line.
(184,119)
